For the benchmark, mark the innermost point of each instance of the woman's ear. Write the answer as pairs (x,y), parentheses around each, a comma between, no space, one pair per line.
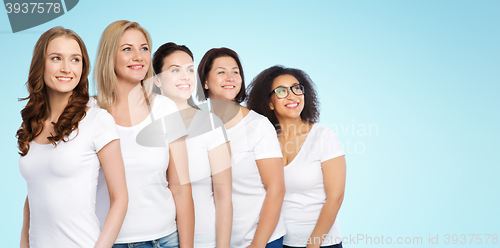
(206,85)
(271,106)
(157,81)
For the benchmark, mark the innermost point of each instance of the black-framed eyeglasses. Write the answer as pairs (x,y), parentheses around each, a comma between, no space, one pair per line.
(282,92)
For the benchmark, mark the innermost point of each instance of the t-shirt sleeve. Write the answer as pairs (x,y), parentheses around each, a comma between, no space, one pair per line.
(267,145)
(218,134)
(330,145)
(104,130)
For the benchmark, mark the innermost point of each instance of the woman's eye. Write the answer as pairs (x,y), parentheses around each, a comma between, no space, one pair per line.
(55,58)
(75,60)
(126,49)
(191,71)
(220,72)
(175,70)
(145,49)
(236,72)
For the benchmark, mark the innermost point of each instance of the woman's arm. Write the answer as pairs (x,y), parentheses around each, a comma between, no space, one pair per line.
(271,172)
(180,186)
(334,173)
(26,225)
(220,163)
(112,165)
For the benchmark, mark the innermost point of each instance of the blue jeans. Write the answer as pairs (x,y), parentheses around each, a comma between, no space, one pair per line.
(339,245)
(169,241)
(276,243)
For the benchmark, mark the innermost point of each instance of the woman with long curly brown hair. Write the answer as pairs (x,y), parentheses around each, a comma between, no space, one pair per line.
(63,143)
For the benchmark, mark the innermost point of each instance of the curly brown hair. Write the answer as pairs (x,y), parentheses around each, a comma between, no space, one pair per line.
(261,87)
(37,110)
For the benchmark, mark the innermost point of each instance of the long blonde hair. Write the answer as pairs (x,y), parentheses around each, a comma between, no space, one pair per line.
(104,71)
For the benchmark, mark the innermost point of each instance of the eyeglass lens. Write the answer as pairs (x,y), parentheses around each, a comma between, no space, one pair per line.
(283,92)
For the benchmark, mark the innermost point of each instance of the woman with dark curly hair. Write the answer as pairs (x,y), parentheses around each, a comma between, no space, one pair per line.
(63,143)
(314,161)
(258,186)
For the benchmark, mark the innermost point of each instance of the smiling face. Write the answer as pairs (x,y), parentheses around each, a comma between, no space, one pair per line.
(224,79)
(290,106)
(63,66)
(177,78)
(132,57)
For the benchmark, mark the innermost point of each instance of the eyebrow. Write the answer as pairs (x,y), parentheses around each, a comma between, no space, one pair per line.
(236,67)
(128,44)
(179,66)
(287,86)
(60,54)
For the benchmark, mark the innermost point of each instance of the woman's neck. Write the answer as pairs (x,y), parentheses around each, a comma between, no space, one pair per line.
(230,112)
(182,104)
(57,104)
(293,126)
(127,91)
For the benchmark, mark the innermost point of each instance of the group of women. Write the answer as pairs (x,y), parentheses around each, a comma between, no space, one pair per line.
(141,165)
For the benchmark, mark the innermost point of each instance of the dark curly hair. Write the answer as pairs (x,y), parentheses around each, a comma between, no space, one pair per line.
(37,110)
(205,67)
(261,86)
(164,51)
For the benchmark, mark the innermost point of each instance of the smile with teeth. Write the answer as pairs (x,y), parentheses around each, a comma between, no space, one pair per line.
(136,66)
(228,86)
(183,86)
(64,78)
(292,105)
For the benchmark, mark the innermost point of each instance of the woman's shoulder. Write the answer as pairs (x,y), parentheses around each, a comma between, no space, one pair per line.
(259,123)
(254,116)
(160,99)
(163,105)
(322,130)
(96,114)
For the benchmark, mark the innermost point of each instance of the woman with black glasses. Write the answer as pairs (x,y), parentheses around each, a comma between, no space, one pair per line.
(315,167)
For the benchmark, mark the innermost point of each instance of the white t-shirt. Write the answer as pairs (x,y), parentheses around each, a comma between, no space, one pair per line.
(205,133)
(62,183)
(151,208)
(305,192)
(253,138)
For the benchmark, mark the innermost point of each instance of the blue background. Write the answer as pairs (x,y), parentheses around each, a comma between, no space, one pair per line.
(410,87)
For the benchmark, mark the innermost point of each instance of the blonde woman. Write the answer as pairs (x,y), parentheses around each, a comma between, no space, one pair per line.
(63,143)
(155,163)
(209,155)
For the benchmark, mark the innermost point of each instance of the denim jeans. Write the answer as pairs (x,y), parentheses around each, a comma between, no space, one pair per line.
(330,246)
(169,241)
(275,244)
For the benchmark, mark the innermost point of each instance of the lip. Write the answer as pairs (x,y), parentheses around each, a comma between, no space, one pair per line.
(292,103)
(136,67)
(183,88)
(228,85)
(64,79)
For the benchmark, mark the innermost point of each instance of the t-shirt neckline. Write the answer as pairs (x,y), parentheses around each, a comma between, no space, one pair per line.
(143,121)
(48,144)
(303,144)
(242,120)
